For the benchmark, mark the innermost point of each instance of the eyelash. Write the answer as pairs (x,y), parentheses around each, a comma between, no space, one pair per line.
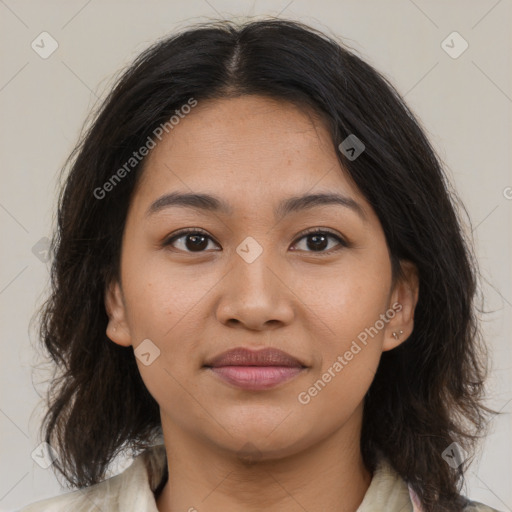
(317,231)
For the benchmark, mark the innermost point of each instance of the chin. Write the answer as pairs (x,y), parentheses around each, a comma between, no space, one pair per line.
(261,444)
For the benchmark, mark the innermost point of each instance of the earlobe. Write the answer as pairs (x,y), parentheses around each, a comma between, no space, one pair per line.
(117,327)
(404,299)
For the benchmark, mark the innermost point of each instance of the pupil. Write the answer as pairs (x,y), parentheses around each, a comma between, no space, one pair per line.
(315,244)
(198,242)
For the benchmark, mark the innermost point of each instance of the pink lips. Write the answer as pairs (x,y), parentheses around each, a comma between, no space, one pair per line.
(255,370)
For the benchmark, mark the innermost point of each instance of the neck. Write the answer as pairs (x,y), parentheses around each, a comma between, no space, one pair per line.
(329,475)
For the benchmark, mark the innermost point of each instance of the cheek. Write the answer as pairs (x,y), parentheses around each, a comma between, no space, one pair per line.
(346,308)
(161,298)
(348,346)
(163,306)
(348,298)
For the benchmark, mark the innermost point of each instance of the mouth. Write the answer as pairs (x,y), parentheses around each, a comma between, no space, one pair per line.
(255,370)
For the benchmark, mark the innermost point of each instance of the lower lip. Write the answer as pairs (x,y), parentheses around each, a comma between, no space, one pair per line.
(256,378)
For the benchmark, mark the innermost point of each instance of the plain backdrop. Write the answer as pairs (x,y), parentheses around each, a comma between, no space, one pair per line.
(464,104)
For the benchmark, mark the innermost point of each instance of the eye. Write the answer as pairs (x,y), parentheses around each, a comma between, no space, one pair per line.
(197,240)
(318,240)
(191,240)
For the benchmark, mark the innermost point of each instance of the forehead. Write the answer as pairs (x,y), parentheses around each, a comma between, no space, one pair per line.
(250,147)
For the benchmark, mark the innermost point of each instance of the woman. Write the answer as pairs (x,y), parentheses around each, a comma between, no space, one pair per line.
(261,288)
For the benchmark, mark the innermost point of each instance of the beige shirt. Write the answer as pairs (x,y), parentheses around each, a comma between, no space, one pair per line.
(132,490)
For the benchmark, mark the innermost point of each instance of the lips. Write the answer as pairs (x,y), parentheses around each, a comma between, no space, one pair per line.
(255,370)
(265,357)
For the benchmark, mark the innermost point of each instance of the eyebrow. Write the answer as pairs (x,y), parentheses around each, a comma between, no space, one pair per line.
(207,202)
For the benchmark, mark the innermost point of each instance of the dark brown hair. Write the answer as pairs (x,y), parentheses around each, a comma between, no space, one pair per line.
(427,393)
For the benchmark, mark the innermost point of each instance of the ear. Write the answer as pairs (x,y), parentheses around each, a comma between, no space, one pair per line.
(117,328)
(404,297)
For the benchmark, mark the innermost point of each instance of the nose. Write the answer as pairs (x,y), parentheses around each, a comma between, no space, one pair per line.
(256,295)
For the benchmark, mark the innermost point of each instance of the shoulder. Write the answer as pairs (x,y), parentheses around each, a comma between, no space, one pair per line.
(103,495)
(68,501)
(475,506)
(469,506)
(130,490)
(408,498)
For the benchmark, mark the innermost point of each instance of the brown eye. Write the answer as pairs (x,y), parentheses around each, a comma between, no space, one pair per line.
(189,241)
(195,240)
(318,241)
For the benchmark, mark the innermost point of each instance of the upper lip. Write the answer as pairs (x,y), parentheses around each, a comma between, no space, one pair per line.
(241,356)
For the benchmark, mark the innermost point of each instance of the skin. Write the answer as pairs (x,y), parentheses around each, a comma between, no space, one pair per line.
(232,449)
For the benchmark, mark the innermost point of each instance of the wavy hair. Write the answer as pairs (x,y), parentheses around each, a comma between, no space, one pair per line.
(426,394)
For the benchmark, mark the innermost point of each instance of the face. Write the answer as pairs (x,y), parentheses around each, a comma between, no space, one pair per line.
(310,279)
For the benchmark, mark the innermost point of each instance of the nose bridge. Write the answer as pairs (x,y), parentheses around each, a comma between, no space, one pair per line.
(252,267)
(255,294)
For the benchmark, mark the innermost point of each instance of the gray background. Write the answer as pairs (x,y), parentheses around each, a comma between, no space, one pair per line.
(463,103)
